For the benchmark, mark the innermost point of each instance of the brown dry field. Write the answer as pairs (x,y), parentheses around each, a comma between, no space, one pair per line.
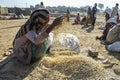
(8,29)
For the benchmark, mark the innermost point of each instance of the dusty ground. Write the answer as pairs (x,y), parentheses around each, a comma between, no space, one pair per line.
(51,67)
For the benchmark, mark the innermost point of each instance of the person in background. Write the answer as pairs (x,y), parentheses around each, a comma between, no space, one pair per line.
(87,19)
(68,15)
(31,41)
(113,39)
(89,11)
(115,11)
(89,16)
(42,5)
(109,24)
(107,13)
(77,19)
(113,34)
(94,11)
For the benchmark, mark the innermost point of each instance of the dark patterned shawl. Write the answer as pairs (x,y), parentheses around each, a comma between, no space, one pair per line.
(37,18)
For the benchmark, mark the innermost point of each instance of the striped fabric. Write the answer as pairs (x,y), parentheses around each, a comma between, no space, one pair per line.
(35,22)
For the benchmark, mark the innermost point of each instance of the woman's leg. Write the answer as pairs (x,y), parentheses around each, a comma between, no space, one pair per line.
(40,51)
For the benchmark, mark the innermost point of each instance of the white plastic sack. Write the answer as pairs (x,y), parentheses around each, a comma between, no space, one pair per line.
(112,20)
(102,27)
(21,16)
(68,41)
(114,46)
(50,38)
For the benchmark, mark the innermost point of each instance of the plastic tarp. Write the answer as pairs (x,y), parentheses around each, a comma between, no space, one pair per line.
(67,41)
(115,47)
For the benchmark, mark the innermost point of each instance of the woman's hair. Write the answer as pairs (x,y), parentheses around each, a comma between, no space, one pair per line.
(43,13)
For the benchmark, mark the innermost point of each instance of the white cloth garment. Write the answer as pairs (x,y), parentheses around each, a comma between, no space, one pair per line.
(112,20)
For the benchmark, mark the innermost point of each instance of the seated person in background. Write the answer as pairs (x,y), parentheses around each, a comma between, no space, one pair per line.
(83,20)
(113,39)
(77,19)
(87,20)
(109,24)
(113,34)
(31,41)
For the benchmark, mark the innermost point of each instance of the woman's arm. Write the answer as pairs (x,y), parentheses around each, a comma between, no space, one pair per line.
(56,22)
(36,39)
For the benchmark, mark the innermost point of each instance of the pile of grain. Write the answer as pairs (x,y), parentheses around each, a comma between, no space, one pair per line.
(71,68)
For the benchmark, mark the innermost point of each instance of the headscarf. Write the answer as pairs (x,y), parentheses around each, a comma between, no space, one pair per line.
(35,22)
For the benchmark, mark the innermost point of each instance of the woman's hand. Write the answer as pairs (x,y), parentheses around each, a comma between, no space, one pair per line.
(57,21)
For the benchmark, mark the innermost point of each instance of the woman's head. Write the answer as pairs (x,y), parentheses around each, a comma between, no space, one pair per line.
(40,17)
(37,21)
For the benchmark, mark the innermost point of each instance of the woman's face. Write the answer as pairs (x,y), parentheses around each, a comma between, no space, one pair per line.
(41,23)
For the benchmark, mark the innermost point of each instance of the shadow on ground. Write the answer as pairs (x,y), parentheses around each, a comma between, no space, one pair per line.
(11,69)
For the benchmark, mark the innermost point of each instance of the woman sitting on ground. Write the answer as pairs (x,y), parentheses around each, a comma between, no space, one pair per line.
(109,24)
(31,41)
(113,39)
(77,19)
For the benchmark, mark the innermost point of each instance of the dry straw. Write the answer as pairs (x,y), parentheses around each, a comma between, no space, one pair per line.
(75,67)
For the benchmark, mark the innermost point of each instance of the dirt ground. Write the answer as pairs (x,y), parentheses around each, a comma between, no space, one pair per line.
(10,70)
